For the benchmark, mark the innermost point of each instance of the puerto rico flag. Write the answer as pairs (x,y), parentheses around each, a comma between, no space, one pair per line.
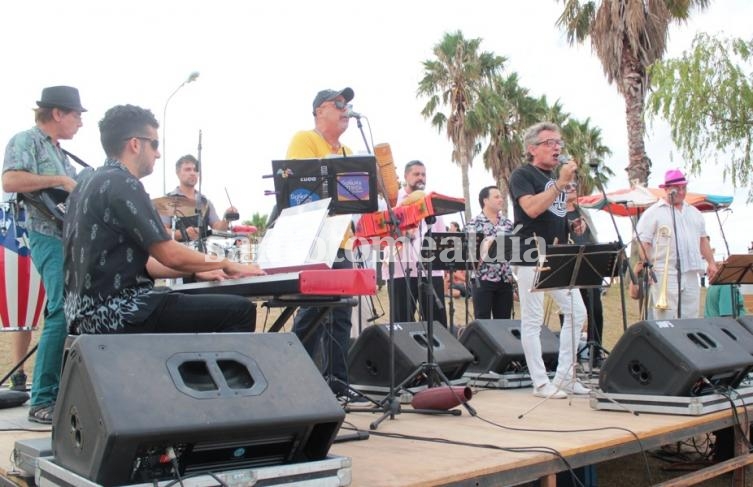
(22,296)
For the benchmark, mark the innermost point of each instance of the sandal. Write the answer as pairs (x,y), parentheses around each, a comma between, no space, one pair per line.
(42,414)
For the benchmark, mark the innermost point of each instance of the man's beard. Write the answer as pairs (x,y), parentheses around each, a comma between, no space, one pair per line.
(418,186)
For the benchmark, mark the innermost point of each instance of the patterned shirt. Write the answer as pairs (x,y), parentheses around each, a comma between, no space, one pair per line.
(109,227)
(491,270)
(33,151)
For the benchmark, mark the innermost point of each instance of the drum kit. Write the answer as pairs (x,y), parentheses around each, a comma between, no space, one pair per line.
(234,246)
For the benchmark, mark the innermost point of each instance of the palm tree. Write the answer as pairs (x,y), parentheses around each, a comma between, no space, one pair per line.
(584,144)
(507,110)
(259,221)
(628,36)
(453,80)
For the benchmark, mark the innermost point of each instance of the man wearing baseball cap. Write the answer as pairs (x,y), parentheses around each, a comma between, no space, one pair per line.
(669,230)
(34,161)
(331,110)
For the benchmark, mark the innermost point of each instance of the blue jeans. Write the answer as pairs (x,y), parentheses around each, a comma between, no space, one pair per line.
(47,256)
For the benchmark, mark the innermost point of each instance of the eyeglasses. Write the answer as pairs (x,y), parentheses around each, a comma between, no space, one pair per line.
(551,143)
(341,105)
(153,142)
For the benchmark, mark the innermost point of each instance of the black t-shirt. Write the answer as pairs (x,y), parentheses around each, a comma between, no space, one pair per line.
(110,224)
(529,180)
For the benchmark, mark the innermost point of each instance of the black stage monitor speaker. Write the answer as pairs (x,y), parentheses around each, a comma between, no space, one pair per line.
(496,346)
(687,357)
(368,360)
(219,401)
(747,322)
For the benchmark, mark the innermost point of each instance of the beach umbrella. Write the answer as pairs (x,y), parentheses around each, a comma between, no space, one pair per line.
(632,201)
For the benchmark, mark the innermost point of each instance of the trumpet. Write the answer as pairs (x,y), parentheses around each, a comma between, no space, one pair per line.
(663,234)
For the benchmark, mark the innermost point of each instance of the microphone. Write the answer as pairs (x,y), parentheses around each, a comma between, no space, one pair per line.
(352,114)
(563,158)
(672,193)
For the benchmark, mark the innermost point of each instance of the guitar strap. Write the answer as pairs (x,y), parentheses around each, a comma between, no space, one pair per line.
(75,158)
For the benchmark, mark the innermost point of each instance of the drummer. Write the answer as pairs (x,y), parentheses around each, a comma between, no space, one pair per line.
(184,206)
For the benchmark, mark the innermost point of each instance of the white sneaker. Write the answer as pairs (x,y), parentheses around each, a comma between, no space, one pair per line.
(549,391)
(577,388)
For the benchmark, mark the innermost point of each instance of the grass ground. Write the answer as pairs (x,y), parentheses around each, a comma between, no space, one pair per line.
(629,471)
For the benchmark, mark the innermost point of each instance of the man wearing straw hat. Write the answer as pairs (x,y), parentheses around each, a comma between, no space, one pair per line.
(666,226)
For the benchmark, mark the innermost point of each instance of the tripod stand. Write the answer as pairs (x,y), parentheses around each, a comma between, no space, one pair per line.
(452,248)
(429,370)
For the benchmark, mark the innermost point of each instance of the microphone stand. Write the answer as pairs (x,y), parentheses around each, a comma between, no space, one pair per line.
(621,244)
(678,265)
(199,217)
(363,136)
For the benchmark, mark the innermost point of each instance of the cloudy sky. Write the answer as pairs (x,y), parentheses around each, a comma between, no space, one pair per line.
(261,63)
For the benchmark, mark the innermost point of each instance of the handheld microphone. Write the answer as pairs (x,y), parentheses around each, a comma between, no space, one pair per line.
(563,158)
(352,114)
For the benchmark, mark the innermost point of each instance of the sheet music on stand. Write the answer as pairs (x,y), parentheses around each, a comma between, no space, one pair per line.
(303,237)
(737,269)
(577,266)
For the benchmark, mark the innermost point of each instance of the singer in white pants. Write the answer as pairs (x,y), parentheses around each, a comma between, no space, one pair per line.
(532,319)
(539,196)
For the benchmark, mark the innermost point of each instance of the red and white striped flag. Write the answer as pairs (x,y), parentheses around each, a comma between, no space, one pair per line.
(22,296)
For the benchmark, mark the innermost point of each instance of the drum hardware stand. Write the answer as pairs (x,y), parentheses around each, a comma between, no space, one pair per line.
(200,223)
(565,270)
(20,363)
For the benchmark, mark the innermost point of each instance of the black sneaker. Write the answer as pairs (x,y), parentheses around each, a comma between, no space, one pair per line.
(18,382)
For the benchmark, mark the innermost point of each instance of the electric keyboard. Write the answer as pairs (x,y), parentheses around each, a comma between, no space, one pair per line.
(303,284)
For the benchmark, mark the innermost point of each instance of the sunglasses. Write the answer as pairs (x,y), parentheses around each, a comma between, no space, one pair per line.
(153,142)
(341,105)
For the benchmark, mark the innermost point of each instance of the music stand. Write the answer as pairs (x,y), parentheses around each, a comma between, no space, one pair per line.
(452,249)
(574,267)
(736,270)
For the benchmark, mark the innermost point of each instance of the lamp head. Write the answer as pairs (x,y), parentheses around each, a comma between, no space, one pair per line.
(192,77)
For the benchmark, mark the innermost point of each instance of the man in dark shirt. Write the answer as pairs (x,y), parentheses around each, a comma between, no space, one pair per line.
(539,204)
(115,246)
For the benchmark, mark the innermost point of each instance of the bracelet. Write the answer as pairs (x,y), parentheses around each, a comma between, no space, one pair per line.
(557,187)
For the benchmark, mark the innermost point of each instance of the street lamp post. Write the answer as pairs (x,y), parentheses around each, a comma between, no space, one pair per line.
(191,78)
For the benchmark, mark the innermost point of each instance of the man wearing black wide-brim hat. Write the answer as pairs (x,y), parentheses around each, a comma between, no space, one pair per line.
(34,161)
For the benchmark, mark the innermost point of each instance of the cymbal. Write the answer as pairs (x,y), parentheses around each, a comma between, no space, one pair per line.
(174,206)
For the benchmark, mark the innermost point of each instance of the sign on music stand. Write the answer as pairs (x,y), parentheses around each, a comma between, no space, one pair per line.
(349,181)
(577,266)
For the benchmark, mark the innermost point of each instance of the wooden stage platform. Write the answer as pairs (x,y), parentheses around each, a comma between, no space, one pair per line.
(494,448)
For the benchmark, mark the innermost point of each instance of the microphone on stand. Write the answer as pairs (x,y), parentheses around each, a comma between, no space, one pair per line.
(352,114)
